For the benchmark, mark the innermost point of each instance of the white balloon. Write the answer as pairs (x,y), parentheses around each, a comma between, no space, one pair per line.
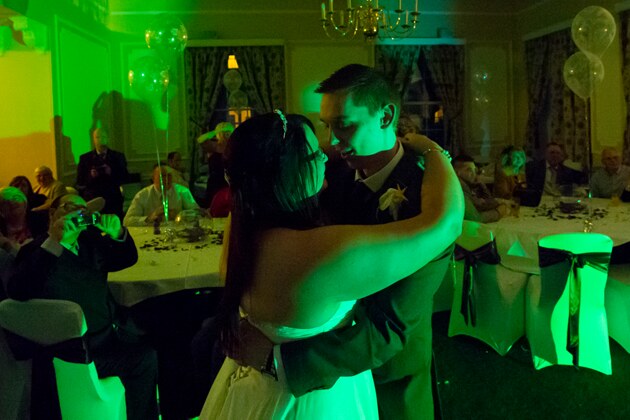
(593,30)
(582,73)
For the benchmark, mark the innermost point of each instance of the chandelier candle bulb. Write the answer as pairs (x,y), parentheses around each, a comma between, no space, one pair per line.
(342,19)
(323,11)
(400,5)
(330,5)
(407,17)
(349,4)
(416,5)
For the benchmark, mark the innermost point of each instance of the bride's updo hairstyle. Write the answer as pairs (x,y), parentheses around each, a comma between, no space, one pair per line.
(268,169)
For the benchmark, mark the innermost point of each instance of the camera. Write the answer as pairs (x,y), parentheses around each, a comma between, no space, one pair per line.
(85,218)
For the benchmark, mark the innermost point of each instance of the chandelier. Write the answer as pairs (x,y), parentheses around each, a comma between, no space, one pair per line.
(370,19)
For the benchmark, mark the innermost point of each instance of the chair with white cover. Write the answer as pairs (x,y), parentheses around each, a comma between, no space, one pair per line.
(488,299)
(59,327)
(565,317)
(15,384)
(618,304)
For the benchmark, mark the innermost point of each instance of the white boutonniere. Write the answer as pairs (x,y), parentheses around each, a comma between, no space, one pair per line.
(392,199)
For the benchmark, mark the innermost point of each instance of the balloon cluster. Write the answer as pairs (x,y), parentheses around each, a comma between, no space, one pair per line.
(592,30)
(150,75)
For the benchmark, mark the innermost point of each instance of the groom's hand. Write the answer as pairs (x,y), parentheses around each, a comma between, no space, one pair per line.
(253,348)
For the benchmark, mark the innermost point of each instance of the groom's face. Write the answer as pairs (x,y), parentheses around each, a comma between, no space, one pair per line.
(354,131)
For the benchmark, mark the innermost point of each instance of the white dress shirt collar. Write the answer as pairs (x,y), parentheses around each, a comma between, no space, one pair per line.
(375,181)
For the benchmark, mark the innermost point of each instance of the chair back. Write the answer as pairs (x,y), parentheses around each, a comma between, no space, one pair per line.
(43,321)
(566,318)
(58,327)
(15,384)
(618,304)
(488,298)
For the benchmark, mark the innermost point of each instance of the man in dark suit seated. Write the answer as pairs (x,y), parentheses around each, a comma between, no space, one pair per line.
(550,176)
(101,172)
(374,182)
(71,263)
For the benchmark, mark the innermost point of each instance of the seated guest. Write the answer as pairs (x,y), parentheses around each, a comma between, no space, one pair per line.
(509,172)
(612,178)
(13,222)
(480,206)
(147,207)
(72,263)
(550,176)
(37,220)
(101,172)
(47,186)
(178,171)
(7,255)
(14,231)
(213,144)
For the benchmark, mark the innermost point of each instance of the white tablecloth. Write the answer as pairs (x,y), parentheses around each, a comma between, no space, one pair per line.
(517,237)
(181,265)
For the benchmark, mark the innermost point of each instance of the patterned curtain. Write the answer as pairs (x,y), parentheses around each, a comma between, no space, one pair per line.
(397,63)
(537,82)
(624,35)
(262,70)
(204,78)
(555,113)
(446,64)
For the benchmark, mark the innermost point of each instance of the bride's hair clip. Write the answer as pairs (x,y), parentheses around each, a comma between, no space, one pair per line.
(284,122)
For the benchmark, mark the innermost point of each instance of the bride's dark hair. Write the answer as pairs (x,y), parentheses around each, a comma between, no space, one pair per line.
(268,168)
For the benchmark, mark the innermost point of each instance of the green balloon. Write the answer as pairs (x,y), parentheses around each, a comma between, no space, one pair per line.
(149,78)
(167,35)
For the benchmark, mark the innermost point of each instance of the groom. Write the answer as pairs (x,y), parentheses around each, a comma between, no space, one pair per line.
(392,328)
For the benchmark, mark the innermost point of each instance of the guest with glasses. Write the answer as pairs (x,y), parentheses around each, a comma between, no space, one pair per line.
(71,263)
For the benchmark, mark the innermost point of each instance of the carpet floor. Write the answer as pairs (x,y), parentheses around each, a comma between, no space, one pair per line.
(474,382)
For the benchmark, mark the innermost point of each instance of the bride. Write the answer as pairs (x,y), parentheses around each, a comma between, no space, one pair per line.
(292,277)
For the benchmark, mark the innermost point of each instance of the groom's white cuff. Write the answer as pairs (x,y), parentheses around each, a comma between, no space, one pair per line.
(282,377)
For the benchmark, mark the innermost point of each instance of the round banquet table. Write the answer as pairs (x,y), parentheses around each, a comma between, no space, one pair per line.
(517,237)
(166,266)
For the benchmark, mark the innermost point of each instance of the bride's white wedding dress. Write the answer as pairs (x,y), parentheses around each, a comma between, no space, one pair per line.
(244,393)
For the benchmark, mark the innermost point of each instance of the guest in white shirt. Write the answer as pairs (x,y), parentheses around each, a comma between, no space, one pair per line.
(147,206)
(47,185)
(612,178)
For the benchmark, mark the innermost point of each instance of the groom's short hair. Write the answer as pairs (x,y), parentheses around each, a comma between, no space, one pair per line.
(365,85)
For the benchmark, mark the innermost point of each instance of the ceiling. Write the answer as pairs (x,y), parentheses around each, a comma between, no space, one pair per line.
(256,6)
(241,18)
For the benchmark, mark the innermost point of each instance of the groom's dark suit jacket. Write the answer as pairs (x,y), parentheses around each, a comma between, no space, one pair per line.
(392,331)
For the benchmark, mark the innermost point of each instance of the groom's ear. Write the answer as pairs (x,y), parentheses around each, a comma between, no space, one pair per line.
(388,113)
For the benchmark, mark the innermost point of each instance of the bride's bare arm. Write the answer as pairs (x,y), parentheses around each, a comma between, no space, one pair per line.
(337,263)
